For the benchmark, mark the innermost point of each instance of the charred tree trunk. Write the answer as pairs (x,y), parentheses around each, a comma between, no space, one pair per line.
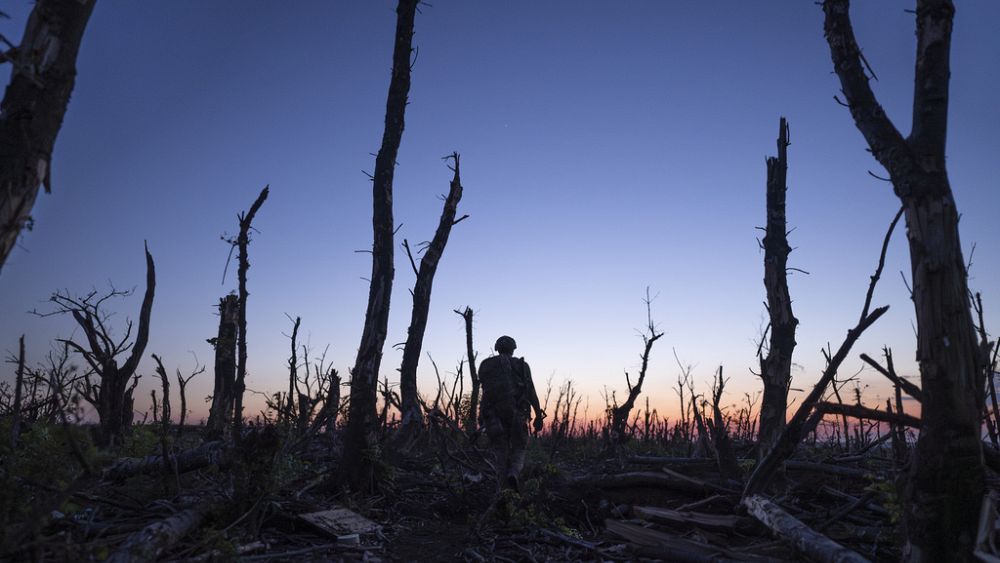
(946,480)
(362,424)
(293,375)
(472,418)
(776,368)
(15,425)
(33,107)
(223,394)
(113,399)
(412,417)
(806,418)
(619,414)
(243,240)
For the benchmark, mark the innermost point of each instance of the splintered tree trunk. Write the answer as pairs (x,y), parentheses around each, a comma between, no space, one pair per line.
(776,368)
(411,415)
(471,421)
(946,481)
(362,423)
(42,77)
(243,241)
(225,366)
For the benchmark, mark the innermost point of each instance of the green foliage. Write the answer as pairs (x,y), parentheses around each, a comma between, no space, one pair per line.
(890,498)
(34,475)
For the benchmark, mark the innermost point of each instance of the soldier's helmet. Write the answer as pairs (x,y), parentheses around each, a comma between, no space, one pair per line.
(505,344)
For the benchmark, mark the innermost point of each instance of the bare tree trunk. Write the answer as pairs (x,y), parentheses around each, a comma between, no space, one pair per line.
(776,368)
(619,415)
(471,423)
(33,107)
(361,424)
(15,425)
(223,394)
(293,374)
(412,417)
(243,241)
(805,419)
(946,481)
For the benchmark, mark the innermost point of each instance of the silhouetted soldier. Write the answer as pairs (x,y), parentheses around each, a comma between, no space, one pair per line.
(508,397)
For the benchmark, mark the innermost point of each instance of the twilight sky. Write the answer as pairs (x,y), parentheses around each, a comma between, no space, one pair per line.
(605,147)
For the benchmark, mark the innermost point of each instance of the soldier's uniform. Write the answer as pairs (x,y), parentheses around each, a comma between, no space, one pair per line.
(508,397)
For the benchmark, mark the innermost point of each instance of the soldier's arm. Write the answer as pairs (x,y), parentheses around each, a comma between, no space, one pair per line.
(530,388)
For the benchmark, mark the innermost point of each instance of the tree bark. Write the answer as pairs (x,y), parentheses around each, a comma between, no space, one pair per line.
(810,543)
(360,434)
(471,423)
(776,368)
(225,367)
(243,240)
(412,417)
(33,107)
(946,481)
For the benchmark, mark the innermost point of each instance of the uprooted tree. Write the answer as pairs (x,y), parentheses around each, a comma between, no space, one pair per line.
(946,481)
(43,74)
(111,396)
(776,366)
(359,437)
(411,415)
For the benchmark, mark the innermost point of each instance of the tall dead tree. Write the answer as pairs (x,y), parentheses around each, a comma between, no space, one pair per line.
(946,481)
(471,420)
(360,435)
(412,418)
(243,241)
(42,78)
(112,396)
(776,367)
(224,391)
(619,414)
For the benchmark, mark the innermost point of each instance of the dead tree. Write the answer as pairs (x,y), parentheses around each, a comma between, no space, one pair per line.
(411,417)
(223,394)
(43,74)
(360,434)
(242,241)
(946,480)
(112,396)
(15,425)
(182,388)
(805,419)
(471,423)
(776,367)
(619,414)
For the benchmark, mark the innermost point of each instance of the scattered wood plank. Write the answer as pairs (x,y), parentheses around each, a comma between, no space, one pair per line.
(341,523)
(808,542)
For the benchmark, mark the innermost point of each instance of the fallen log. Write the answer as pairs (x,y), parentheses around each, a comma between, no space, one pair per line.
(662,460)
(641,479)
(857,411)
(149,543)
(209,453)
(810,543)
(674,548)
(813,467)
(724,522)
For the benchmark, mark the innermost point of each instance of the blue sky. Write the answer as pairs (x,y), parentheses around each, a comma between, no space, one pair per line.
(605,147)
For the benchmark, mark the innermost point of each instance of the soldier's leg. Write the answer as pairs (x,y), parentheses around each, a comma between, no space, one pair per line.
(518,443)
(498,440)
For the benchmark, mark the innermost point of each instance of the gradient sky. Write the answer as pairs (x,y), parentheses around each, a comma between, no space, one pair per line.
(605,147)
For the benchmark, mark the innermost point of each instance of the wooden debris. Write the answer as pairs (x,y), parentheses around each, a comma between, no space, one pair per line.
(675,548)
(642,479)
(149,543)
(808,542)
(725,522)
(209,453)
(341,523)
(813,467)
